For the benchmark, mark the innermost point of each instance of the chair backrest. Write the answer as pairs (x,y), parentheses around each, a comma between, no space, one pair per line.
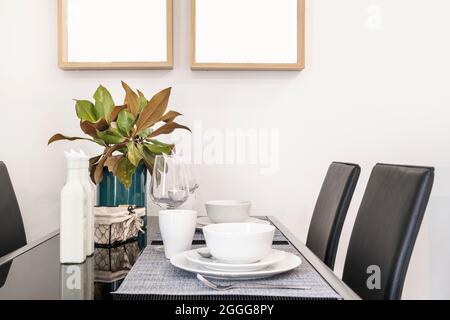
(330,210)
(386,229)
(12,232)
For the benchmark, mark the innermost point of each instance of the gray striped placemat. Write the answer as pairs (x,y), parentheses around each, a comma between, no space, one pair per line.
(154,276)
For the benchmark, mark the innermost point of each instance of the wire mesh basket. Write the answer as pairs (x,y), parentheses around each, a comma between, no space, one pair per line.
(115,225)
(117,258)
(114,263)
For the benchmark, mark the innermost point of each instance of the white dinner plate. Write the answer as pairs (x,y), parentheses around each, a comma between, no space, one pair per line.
(273,257)
(204,221)
(290,262)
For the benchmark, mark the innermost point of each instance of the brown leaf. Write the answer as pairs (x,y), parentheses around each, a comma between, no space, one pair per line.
(140,94)
(98,173)
(149,158)
(109,151)
(168,128)
(112,163)
(131,100)
(154,110)
(59,136)
(149,167)
(115,112)
(92,166)
(90,128)
(170,116)
(93,161)
(97,168)
(92,172)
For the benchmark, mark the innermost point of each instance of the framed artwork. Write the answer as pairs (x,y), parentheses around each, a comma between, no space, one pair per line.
(115,34)
(247,34)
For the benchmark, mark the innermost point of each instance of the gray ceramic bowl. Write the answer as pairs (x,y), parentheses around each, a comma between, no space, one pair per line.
(228,211)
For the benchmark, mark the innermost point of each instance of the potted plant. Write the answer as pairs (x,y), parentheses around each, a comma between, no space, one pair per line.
(127,134)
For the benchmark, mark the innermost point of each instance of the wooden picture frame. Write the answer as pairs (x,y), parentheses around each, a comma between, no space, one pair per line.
(296,65)
(64,61)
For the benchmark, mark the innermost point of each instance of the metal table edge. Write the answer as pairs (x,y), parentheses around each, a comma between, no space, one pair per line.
(326,273)
(14,254)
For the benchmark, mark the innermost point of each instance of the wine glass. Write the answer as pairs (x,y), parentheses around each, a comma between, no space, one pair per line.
(190,172)
(191,179)
(169,187)
(192,184)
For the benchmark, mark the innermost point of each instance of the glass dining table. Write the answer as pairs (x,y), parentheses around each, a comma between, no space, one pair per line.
(34,271)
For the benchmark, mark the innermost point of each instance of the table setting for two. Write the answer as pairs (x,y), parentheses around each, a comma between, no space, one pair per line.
(225,253)
(238,247)
(201,259)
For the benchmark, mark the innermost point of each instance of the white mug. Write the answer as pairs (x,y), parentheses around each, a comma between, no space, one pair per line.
(177,230)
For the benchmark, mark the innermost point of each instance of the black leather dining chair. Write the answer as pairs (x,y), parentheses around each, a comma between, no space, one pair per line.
(330,210)
(386,229)
(12,232)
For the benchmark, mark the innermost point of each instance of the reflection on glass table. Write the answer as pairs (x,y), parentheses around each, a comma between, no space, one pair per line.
(37,274)
(100,274)
(77,281)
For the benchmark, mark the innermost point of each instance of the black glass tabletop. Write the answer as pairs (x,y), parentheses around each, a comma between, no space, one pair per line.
(35,272)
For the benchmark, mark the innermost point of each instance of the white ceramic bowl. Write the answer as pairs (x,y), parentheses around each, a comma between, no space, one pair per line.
(239,242)
(228,211)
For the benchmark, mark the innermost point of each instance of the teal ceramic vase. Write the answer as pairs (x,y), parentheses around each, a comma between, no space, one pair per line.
(111,192)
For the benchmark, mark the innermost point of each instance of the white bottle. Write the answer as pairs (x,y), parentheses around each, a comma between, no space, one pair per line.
(73,205)
(89,210)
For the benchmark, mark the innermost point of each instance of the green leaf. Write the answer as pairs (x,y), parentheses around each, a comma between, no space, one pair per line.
(147,156)
(123,150)
(100,142)
(145,133)
(104,103)
(142,103)
(85,110)
(125,122)
(133,154)
(161,143)
(158,149)
(125,170)
(111,136)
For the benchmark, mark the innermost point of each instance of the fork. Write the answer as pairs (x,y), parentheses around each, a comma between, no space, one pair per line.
(219,287)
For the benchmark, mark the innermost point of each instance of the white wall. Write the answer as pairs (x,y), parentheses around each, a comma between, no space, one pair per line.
(374,90)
